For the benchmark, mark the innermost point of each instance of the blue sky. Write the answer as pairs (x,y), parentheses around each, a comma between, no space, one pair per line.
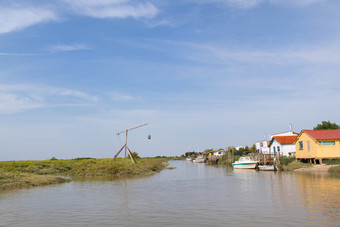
(203,74)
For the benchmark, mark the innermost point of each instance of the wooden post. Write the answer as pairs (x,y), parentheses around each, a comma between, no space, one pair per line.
(117,153)
(127,150)
(126,135)
(130,154)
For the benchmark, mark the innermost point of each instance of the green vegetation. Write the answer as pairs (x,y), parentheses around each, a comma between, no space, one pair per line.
(284,160)
(246,149)
(294,165)
(19,174)
(331,161)
(326,125)
(25,180)
(334,169)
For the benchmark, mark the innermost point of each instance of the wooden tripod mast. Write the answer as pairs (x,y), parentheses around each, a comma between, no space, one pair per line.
(125,147)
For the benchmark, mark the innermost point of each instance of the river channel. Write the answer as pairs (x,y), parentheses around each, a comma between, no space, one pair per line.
(190,195)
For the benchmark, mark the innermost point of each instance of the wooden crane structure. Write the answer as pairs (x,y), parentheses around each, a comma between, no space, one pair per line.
(125,146)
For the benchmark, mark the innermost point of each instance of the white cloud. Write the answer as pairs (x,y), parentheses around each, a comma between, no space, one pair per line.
(215,53)
(17,54)
(113,8)
(246,4)
(12,103)
(296,2)
(21,97)
(13,19)
(243,3)
(71,47)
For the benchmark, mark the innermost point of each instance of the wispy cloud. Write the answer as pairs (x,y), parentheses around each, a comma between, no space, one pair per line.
(123,97)
(18,54)
(13,103)
(312,54)
(113,8)
(70,47)
(247,4)
(21,97)
(13,19)
(221,53)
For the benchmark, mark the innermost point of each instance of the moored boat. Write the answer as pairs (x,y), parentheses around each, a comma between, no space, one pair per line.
(245,163)
(199,159)
(267,167)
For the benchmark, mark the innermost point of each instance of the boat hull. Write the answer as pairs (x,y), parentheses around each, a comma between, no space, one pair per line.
(244,165)
(266,167)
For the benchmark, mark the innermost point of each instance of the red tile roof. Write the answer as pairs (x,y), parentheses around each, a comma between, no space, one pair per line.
(285,139)
(324,134)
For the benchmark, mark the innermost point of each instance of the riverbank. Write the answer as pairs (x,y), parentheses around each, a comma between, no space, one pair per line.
(317,168)
(24,174)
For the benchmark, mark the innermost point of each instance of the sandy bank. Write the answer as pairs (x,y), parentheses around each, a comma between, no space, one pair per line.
(315,168)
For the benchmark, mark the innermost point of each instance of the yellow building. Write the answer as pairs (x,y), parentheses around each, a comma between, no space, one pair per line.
(315,145)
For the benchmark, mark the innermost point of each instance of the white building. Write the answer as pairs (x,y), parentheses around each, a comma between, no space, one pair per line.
(283,145)
(262,146)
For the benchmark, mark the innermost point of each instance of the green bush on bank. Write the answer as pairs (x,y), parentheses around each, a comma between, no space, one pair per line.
(294,165)
(284,160)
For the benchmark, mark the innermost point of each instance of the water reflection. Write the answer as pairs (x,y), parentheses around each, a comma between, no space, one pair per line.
(190,195)
(321,195)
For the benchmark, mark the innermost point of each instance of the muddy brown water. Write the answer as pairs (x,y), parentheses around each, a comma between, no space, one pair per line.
(190,195)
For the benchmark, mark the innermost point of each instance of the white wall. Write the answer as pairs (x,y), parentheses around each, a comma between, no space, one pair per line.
(264,148)
(285,149)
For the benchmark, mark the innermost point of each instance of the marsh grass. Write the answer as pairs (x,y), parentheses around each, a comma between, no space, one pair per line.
(294,165)
(334,169)
(10,181)
(20,174)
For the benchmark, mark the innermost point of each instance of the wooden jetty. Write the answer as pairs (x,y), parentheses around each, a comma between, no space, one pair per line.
(267,159)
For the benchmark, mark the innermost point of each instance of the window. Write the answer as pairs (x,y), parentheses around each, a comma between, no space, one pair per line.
(278,148)
(308,145)
(274,149)
(261,144)
(327,143)
(300,145)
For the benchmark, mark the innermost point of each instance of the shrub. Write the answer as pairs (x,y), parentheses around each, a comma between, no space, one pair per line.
(286,160)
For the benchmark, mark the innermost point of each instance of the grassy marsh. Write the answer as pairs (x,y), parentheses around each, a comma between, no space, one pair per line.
(23,174)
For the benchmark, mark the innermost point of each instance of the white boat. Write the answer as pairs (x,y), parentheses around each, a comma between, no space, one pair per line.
(267,167)
(245,163)
(189,159)
(199,159)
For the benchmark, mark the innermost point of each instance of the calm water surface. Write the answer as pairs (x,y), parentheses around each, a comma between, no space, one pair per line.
(191,195)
